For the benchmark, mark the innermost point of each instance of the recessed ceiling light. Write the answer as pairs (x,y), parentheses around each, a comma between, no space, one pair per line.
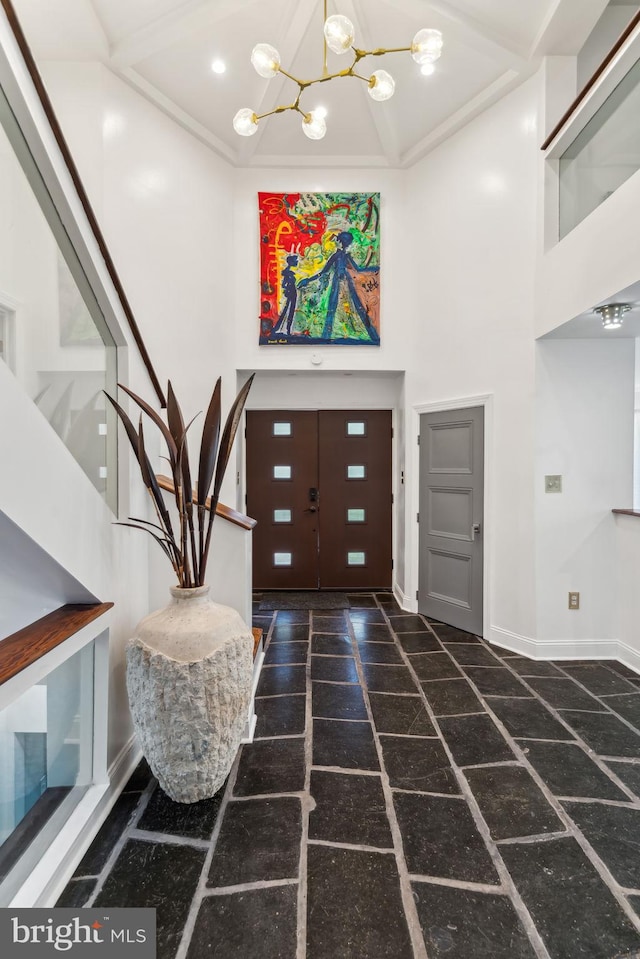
(218,66)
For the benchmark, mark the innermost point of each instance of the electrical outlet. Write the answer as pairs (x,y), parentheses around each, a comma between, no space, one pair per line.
(574,600)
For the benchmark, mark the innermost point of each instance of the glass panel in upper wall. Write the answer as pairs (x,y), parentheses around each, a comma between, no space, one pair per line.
(603,156)
(54,337)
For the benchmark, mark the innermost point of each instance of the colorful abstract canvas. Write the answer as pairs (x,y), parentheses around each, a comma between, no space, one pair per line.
(320,268)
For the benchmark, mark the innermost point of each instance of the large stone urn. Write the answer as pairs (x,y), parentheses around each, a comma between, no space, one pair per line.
(189,674)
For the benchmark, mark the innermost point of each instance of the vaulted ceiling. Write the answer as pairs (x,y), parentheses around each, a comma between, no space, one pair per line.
(165,48)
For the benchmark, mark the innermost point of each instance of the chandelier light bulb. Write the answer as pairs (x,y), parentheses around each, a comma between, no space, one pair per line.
(314,126)
(381,85)
(612,314)
(245,122)
(427,69)
(426,46)
(266,60)
(339,33)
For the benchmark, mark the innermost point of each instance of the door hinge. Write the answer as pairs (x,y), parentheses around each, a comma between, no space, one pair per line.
(391,564)
(392,500)
(418,439)
(392,434)
(417,594)
(417,517)
(245,499)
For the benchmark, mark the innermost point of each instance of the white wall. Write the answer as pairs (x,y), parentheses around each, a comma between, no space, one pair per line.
(584,432)
(626,561)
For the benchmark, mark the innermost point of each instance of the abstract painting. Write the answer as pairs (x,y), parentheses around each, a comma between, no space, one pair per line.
(320,268)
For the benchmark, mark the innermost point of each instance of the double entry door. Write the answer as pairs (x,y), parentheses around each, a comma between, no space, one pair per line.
(319,485)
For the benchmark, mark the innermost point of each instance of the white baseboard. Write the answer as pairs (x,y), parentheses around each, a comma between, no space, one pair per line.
(403,600)
(85,821)
(559,649)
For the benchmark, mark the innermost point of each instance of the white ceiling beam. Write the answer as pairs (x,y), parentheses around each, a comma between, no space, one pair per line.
(299,16)
(486,98)
(466,28)
(380,118)
(189,18)
(172,110)
(566,26)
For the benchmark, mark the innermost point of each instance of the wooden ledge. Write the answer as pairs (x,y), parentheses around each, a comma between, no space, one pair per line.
(232,515)
(30,644)
(626,512)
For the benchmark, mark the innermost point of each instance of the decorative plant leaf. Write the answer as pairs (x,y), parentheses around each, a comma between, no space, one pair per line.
(157,419)
(179,433)
(209,445)
(229,436)
(160,540)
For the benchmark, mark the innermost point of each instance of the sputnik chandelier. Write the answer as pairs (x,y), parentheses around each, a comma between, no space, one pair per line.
(339,36)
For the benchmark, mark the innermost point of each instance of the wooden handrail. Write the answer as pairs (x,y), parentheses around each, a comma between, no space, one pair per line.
(56,129)
(626,512)
(624,36)
(232,515)
(30,644)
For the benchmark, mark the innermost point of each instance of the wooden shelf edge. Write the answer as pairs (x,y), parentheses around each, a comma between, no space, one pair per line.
(225,512)
(31,643)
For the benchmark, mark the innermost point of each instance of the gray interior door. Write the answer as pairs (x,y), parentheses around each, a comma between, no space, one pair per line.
(451,517)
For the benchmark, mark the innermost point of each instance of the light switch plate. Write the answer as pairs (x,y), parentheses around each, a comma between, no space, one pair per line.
(553,484)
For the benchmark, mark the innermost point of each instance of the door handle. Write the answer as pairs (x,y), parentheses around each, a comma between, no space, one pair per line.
(311,509)
(475,530)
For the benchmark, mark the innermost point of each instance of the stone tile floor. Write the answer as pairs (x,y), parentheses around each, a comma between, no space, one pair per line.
(411,792)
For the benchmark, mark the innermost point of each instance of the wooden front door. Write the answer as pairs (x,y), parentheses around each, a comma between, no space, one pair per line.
(319,485)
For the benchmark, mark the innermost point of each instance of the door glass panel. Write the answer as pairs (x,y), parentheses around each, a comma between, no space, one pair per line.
(356,472)
(282,472)
(355,559)
(356,515)
(282,559)
(282,516)
(282,429)
(356,428)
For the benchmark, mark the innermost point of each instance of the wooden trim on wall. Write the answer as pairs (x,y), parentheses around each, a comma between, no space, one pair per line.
(232,515)
(30,644)
(624,36)
(82,195)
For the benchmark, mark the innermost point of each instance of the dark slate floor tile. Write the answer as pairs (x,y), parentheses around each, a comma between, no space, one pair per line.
(461,924)
(286,653)
(626,706)
(327,644)
(408,623)
(511,802)
(263,622)
(419,643)
(259,840)
(604,733)
(139,779)
(280,716)
(435,666)
(193,820)
(599,680)
(440,838)
(472,654)
(354,906)
(332,701)
(329,623)
(629,773)
(614,833)
(349,809)
(625,671)
(276,680)
(419,765)
(449,634)
(362,600)
(334,669)
(108,834)
(568,771)
(388,679)
(634,902)
(400,714)
(162,875)
(372,633)
(527,719)
(288,616)
(380,653)
(76,893)
(289,633)
(450,697)
(258,924)
(564,694)
(389,602)
(474,740)
(349,745)
(531,667)
(271,766)
(571,907)
(366,616)
(495,681)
